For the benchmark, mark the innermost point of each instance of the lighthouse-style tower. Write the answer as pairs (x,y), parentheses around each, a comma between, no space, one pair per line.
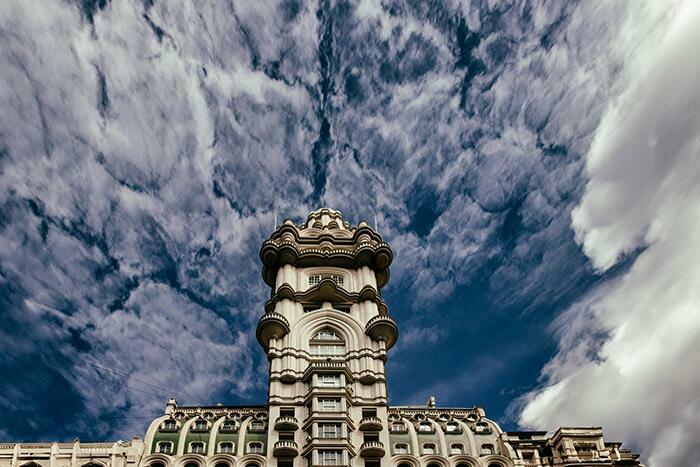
(326,332)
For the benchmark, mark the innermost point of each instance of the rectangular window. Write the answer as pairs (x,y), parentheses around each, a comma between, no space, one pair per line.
(329,430)
(338,279)
(329,381)
(369,413)
(197,448)
(314,280)
(428,449)
(166,448)
(287,436)
(329,405)
(456,449)
(327,349)
(401,449)
(330,457)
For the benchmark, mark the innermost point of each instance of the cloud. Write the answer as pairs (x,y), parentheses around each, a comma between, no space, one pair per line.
(627,352)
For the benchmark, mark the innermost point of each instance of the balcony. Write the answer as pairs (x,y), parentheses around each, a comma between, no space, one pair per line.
(372,449)
(271,326)
(382,328)
(371,424)
(285,448)
(286,423)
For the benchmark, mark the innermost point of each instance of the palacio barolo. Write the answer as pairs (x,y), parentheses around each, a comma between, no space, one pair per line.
(327,333)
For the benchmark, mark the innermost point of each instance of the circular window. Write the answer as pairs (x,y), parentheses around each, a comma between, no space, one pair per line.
(434,465)
(192,464)
(157,464)
(222,464)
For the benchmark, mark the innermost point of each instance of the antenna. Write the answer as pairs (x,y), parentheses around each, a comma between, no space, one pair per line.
(275,228)
(376,226)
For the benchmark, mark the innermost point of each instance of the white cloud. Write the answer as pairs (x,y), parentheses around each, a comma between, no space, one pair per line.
(628,353)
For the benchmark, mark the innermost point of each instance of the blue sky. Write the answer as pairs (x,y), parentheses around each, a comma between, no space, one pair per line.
(533,166)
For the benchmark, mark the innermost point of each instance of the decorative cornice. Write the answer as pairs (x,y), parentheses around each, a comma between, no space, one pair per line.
(326,290)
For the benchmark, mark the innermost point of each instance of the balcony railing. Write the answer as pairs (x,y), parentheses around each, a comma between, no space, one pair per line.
(372,449)
(371,424)
(286,423)
(285,448)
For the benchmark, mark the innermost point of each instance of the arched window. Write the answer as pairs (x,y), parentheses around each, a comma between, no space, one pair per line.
(192,464)
(482,427)
(429,448)
(179,415)
(165,447)
(226,448)
(257,425)
(228,425)
(398,427)
(222,464)
(169,425)
(197,447)
(327,343)
(456,448)
(453,427)
(434,465)
(405,464)
(200,425)
(425,427)
(401,448)
(327,335)
(252,464)
(495,464)
(157,464)
(255,447)
(462,464)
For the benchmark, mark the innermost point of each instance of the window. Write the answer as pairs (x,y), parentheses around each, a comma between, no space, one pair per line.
(329,405)
(456,449)
(169,425)
(425,427)
(434,465)
(494,464)
(192,464)
(255,447)
(452,427)
(338,279)
(197,447)
(165,447)
(228,425)
(405,464)
(257,425)
(372,463)
(329,381)
(330,457)
(314,280)
(222,464)
(482,427)
(329,430)
(287,412)
(398,427)
(179,415)
(401,448)
(327,335)
(368,437)
(369,413)
(200,425)
(327,350)
(428,448)
(486,449)
(226,448)
(152,464)
(287,436)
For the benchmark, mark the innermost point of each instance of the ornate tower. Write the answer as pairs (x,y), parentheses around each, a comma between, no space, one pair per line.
(326,332)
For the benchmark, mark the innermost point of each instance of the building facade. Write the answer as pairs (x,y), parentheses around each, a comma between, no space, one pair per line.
(327,333)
